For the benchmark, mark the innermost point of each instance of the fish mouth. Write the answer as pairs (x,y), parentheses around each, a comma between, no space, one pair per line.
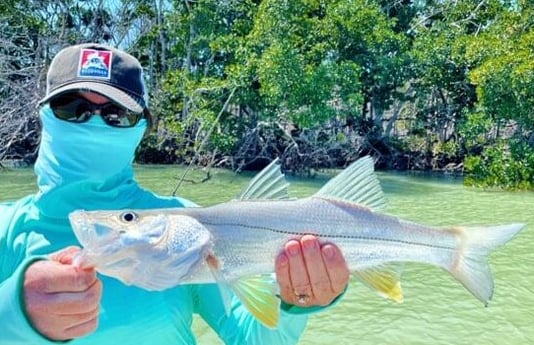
(88,232)
(81,227)
(101,244)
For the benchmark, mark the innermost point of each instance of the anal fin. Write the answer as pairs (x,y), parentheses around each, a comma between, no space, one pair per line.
(385,281)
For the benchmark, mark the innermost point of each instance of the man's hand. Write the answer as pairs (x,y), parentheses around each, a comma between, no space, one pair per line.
(311,273)
(62,301)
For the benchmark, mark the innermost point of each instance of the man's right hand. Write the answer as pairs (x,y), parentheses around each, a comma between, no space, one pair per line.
(62,301)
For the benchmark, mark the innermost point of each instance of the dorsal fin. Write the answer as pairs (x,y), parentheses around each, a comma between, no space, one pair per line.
(357,183)
(268,184)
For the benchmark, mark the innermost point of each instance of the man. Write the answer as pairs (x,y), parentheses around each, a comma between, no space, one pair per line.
(93,117)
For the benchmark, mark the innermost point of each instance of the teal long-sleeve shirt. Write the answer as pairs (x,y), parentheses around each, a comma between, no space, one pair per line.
(128,315)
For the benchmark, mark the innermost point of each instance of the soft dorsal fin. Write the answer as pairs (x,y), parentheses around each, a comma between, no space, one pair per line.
(357,183)
(268,184)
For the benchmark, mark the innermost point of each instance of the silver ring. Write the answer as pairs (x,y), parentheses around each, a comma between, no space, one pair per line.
(302,299)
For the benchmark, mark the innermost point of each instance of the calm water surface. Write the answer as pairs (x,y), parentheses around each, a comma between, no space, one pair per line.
(436,310)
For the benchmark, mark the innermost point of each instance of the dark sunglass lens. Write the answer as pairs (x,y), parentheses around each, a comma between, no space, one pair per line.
(68,108)
(119,117)
(83,110)
(132,117)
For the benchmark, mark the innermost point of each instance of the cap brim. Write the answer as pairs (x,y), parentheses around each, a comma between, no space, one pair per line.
(106,90)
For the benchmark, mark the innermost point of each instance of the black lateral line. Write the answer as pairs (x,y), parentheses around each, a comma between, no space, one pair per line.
(335,236)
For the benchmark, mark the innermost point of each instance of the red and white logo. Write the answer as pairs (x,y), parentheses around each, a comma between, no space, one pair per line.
(95,64)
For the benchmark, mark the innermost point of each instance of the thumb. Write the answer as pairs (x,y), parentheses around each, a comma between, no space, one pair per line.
(66,255)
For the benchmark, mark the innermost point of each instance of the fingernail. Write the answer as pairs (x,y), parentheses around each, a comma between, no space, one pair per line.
(309,245)
(329,252)
(282,259)
(294,249)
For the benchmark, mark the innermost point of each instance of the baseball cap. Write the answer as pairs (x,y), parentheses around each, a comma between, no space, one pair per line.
(102,69)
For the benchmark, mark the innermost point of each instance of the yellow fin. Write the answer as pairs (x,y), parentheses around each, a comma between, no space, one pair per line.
(384,281)
(258,295)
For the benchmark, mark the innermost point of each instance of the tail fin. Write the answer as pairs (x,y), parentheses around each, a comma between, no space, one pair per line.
(471,266)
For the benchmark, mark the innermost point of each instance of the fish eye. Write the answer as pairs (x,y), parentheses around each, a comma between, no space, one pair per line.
(128,217)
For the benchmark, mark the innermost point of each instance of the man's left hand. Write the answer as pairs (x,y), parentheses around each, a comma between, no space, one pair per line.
(310,273)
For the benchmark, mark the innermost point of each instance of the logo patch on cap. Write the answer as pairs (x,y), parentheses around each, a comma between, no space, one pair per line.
(95,64)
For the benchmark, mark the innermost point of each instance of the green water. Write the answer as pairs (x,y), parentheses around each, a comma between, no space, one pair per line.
(436,309)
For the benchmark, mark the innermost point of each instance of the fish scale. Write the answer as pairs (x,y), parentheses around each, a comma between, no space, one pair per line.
(356,230)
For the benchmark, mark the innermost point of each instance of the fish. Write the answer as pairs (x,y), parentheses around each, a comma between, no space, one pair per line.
(234,244)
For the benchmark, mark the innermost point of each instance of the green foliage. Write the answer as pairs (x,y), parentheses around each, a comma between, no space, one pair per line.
(505,81)
(433,81)
(504,77)
(411,144)
(301,77)
(475,130)
(283,59)
(507,164)
(310,64)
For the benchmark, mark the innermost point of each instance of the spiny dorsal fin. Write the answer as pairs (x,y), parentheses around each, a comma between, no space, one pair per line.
(268,184)
(357,183)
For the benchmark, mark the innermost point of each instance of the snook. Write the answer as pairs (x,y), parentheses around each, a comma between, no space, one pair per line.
(235,243)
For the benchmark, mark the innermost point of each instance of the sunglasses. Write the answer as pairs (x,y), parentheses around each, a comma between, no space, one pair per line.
(73,108)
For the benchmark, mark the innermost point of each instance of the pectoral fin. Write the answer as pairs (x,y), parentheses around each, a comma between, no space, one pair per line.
(224,288)
(258,295)
(385,281)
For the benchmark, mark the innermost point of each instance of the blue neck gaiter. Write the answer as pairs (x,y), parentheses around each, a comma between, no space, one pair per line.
(84,165)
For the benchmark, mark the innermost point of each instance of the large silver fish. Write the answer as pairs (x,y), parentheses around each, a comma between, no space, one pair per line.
(235,243)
